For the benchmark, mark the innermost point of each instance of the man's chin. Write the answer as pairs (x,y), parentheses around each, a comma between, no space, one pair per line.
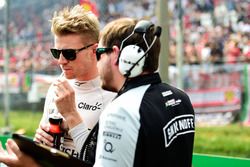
(67,76)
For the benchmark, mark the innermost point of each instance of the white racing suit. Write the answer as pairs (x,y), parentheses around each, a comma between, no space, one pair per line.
(91,99)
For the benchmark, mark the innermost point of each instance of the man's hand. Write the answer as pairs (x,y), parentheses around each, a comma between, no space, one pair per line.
(42,135)
(13,157)
(65,103)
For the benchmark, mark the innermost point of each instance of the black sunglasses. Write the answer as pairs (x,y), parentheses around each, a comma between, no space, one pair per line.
(68,54)
(100,51)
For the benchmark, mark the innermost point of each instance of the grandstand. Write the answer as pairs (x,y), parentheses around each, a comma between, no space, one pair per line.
(215,32)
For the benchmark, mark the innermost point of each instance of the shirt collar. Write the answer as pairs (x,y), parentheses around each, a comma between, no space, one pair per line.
(139,81)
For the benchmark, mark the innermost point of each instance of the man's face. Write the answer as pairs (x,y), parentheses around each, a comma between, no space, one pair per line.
(82,67)
(105,69)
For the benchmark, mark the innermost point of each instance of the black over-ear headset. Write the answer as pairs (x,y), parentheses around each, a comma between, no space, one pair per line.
(132,57)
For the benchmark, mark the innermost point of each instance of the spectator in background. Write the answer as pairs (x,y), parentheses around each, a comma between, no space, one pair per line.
(216,54)
(232,51)
(206,53)
(246,48)
(191,54)
(172,53)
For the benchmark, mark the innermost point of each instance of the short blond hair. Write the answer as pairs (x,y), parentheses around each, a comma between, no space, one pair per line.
(75,20)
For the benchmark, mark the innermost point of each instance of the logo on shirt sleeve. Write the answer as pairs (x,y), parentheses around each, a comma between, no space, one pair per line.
(108,147)
(178,126)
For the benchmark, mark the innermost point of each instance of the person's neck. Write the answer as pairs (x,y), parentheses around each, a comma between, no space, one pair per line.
(87,78)
(120,84)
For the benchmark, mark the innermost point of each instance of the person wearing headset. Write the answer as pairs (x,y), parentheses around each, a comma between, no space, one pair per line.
(149,123)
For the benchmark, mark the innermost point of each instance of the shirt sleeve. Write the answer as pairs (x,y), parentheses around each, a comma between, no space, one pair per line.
(79,134)
(46,108)
(117,138)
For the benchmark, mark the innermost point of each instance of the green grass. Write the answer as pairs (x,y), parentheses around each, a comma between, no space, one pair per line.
(22,120)
(230,140)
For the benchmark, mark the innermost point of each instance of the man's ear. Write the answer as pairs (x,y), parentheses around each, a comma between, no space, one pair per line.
(116,52)
(93,50)
(94,47)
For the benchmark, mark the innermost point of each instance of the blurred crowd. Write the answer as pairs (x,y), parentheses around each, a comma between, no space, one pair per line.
(215,31)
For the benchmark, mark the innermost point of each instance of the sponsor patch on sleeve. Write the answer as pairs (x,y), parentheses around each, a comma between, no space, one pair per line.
(180,125)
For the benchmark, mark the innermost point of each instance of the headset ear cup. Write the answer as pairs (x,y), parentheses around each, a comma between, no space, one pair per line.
(128,57)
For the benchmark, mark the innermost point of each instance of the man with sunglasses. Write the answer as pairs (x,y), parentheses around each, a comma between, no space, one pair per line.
(76,33)
(149,123)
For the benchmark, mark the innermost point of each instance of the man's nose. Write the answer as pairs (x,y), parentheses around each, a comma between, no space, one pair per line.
(62,59)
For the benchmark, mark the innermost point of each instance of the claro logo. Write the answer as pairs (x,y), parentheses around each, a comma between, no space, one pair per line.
(90,107)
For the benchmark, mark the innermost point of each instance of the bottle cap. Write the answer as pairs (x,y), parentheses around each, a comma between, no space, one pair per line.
(55,119)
